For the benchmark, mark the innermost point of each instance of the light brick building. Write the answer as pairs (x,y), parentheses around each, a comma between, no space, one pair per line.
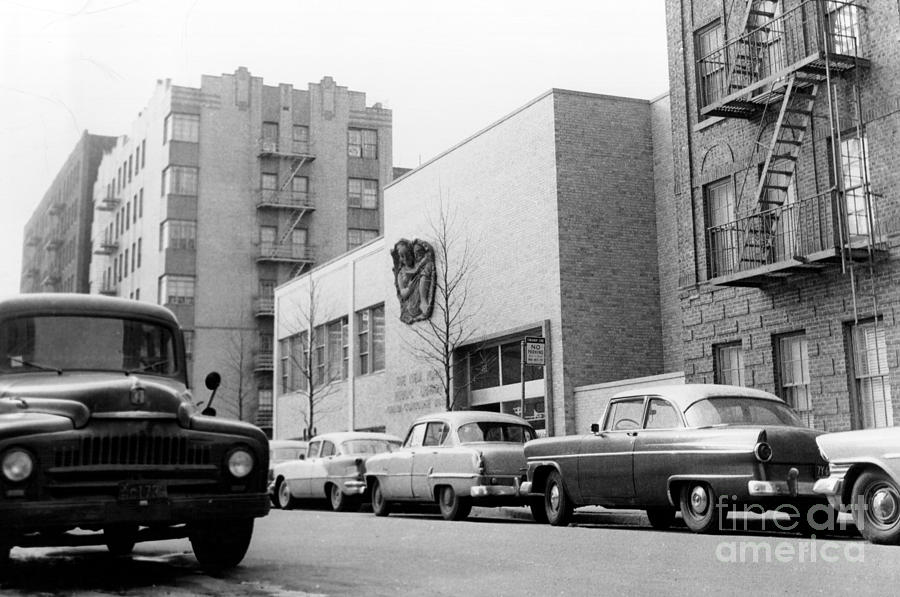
(220,193)
(56,254)
(785,120)
(557,204)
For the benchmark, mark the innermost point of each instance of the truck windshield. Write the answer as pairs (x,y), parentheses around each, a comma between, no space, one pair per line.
(88,343)
(739,410)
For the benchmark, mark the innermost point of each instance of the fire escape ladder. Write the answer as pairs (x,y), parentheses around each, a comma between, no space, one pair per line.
(778,171)
(751,43)
(296,214)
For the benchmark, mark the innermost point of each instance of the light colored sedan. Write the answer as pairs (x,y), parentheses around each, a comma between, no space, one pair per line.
(334,469)
(457,459)
(864,478)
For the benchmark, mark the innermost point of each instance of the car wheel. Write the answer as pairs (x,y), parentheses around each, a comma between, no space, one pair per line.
(285,500)
(380,506)
(557,505)
(661,518)
(120,538)
(876,507)
(221,544)
(698,507)
(339,501)
(453,507)
(538,511)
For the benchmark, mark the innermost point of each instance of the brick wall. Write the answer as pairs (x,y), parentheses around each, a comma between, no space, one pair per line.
(822,303)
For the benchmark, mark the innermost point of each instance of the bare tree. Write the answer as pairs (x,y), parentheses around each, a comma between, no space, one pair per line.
(308,343)
(238,363)
(451,323)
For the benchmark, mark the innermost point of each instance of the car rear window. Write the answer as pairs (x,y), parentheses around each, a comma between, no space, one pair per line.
(739,410)
(489,431)
(368,446)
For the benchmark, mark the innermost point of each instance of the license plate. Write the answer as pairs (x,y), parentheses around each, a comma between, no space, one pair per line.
(821,471)
(141,492)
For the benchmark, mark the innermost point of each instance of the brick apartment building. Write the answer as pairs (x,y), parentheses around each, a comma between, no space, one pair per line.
(785,120)
(557,204)
(57,247)
(222,192)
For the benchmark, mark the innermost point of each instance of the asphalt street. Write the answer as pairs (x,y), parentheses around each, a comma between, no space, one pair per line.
(318,552)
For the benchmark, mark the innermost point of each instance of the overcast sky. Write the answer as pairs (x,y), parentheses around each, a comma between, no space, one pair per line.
(446,69)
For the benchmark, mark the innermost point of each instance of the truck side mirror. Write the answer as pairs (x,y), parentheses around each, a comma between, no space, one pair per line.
(213,381)
(595,427)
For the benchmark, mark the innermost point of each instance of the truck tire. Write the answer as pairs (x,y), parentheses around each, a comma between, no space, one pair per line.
(221,544)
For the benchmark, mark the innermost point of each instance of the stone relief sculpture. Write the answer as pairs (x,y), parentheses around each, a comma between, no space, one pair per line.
(414,278)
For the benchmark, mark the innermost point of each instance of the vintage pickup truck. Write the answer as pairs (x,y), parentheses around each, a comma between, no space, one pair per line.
(99,432)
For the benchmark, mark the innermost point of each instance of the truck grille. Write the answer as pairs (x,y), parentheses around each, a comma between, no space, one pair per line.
(131,450)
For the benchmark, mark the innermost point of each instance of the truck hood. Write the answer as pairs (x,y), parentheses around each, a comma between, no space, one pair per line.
(80,396)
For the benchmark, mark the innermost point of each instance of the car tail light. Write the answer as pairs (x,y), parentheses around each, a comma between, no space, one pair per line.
(479,463)
(360,468)
(763,452)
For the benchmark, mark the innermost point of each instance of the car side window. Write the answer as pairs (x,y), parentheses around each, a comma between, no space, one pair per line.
(662,415)
(313,450)
(415,437)
(625,415)
(327,449)
(435,433)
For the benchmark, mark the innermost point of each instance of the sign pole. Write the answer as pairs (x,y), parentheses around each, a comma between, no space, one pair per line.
(522,380)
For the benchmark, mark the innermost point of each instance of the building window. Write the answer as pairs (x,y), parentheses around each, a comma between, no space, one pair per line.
(264,408)
(362,192)
(359,236)
(268,181)
(284,359)
(176,290)
(362,332)
(137,160)
(843,25)
(319,355)
(729,364)
(721,231)
(711,63)
(178,234)
(870,370)
(793,373)
(143,153)
(300,138)
(337,342)
(188,337)
(140,208)
(362,143)
(300,365)
(180,180)
(500,364)
(299,184)
(370,338)
(182,127)
(140,251)
(854,170)
(270,136)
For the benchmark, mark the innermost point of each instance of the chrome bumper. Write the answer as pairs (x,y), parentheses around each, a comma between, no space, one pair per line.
(776,488)
(829,486)
(525,487)
(481,491)
(354,487)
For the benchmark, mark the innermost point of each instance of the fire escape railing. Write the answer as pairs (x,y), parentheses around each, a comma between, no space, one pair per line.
(762,55)
(801,229)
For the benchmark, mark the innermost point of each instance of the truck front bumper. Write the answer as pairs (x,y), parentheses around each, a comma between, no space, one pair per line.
(25,516)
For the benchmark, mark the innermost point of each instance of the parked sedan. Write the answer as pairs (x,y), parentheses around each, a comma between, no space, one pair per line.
(334,469)
(283,450)
(864,478)
(457,459)
(703,449)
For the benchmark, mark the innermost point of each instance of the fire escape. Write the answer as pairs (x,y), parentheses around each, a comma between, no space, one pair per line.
(787,71)
(294,203)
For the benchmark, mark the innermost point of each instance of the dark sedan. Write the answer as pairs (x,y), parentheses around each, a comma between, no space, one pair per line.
(703,449)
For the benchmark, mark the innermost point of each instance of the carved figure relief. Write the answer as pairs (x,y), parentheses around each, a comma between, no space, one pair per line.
(414,278)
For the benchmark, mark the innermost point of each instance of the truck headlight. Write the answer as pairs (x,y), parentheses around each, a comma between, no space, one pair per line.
(17,465)
(240,463)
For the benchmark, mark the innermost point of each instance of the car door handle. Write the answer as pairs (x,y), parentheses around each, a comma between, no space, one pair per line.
(631,433)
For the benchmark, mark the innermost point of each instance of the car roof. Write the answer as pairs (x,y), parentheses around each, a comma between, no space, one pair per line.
(684,395)
(338,437)
(287,443)
(461,417)
(61,303)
